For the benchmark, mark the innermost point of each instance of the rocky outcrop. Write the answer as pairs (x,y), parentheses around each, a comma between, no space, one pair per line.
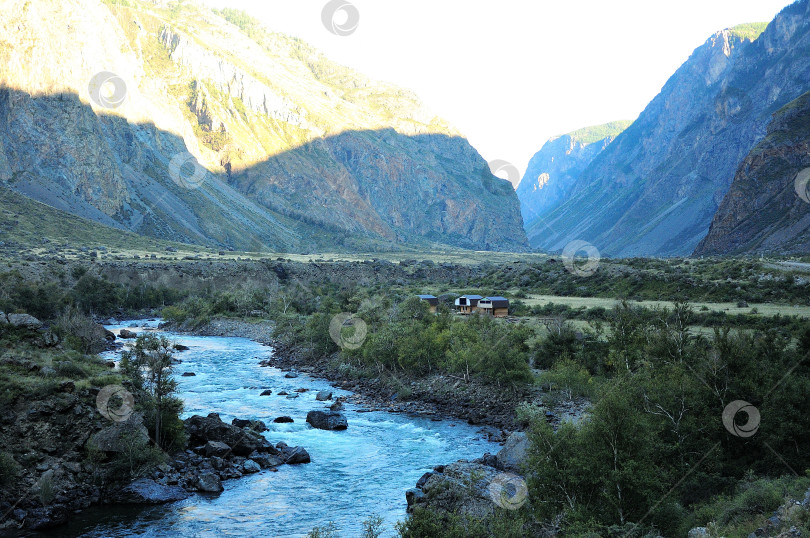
(24,321)
(656,188)
(119,437)
(767,208)
(241,441)
(554,170)
(148,491)
(467,489)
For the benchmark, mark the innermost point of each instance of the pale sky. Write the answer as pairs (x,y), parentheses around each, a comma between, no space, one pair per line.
(510,74)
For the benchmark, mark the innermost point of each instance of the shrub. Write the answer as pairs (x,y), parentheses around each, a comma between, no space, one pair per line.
(327,531)
(9,469)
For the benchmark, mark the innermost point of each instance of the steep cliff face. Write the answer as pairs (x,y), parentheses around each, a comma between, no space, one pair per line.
(290,151)
(553,171)
(655,189)
(767,208)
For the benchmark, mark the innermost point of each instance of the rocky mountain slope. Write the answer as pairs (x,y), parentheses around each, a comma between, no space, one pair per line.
(767,208)
(655,189)
(554,169)
(225,134)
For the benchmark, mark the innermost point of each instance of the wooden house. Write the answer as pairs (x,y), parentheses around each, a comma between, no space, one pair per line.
(494,306)
(431,300)
(467,304)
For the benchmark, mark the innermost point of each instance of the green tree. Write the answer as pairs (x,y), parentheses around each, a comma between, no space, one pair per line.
(149,366)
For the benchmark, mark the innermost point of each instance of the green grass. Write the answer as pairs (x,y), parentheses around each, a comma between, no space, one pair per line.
(763,309)
(34,373)
(750,31)
(27,221)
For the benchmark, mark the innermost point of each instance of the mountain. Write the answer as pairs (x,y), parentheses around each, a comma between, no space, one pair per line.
(554,169)
(656,188)
(767,208)
(167,119)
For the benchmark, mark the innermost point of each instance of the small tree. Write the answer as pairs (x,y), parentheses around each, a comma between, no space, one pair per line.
(149,365)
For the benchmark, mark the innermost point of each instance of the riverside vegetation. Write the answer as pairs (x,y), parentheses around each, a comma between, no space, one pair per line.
(651,454)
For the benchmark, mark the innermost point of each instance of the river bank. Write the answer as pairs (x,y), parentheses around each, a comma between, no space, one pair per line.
(436,397)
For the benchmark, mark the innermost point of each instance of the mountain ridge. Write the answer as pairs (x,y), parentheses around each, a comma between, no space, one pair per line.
(554,169)
(300,153)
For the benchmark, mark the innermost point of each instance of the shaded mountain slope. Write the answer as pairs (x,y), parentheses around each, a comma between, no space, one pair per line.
(767,208)
(293,151)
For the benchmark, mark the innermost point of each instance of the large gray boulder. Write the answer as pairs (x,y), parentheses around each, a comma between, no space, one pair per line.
(25,321)
(327,420)
(514,453)
(147,491)
(3,319)
(121,436)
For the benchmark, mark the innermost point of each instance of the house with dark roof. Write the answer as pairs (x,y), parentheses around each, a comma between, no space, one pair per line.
(431,300)
(494,306)
(467,304)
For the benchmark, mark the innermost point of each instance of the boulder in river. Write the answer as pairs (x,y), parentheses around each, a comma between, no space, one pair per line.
(266,461)
(291,375)
(180,347)
(324,395)
(267,392)
(209,483)
(294,455)
(255,425)
(327,420)
(188,374)
(147,491)
(282,420)
(250,467)
(127,334)
(211,428)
